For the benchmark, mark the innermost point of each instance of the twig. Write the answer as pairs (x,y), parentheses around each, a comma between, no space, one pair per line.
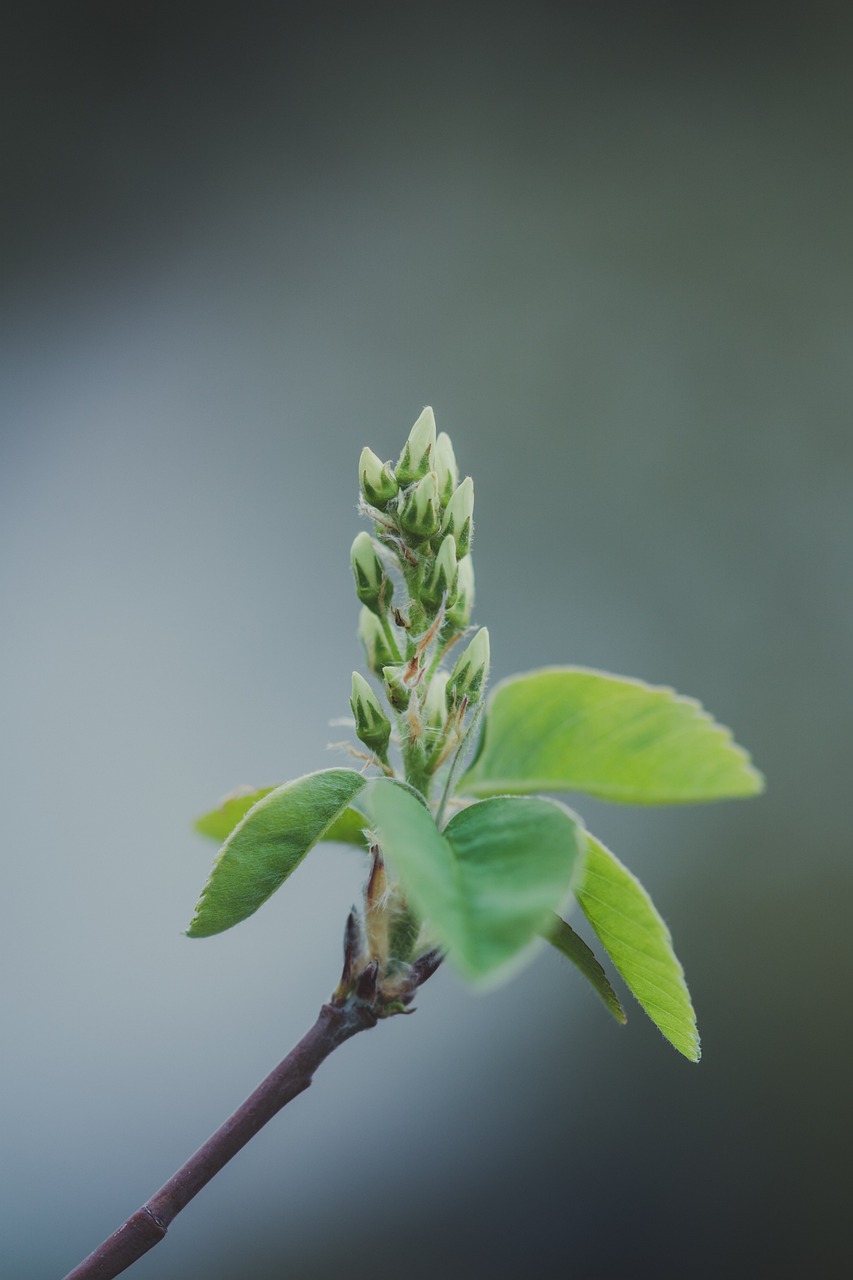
(148,1225)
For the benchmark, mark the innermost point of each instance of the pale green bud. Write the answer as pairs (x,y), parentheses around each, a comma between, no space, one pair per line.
(444,466)
(469,676)
(459,613)
(377,650)
(396,688)
(441,581)
(377,479)
(419,511)
(372,586)
(435,704)
(416,458)
(459,516)
(371,723)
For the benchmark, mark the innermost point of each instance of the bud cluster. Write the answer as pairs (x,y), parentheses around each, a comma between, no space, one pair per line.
(421,545)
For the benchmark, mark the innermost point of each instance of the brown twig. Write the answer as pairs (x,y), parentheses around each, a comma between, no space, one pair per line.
(148,1225)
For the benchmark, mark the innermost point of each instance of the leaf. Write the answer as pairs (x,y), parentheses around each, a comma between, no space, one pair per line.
(220,822)
(268,844)
(571,729)
(348,829)
(638,942)
(572,946)
(488,883)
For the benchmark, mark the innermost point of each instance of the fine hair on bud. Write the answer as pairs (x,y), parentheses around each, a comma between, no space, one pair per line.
(416,458)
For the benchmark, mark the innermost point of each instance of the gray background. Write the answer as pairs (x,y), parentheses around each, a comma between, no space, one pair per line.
(611,245)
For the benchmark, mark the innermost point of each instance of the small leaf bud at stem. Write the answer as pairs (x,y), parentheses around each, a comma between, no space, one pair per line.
(371,724)
(459,516)
(419,509)
(377,479)
(372,586)
(426,965)
(444,466)
(470,673)
(396,689)
(416,458)
(441,581)
(459,613)
(377,650)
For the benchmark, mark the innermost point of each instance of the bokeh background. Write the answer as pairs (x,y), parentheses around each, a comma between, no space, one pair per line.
(610,244)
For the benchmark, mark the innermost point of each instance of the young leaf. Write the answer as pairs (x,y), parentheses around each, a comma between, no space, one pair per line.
(348,828)
(570,729)
(220,822)
(638,942)
(488,883)
(268,844)
(572,946)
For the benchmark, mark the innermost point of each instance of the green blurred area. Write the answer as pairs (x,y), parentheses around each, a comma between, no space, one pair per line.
(611,246)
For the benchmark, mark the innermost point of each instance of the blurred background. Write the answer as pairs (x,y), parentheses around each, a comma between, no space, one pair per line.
(610,244)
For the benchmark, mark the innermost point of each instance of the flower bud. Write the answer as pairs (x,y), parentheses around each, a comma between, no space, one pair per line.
(377,650)
(396,689)
(371,723)
(419,510)
(416,458)
(470,673)
(377,479)
(444,466)
(459,613)
(435,704)
(459,516)
(441,581)
(372,586)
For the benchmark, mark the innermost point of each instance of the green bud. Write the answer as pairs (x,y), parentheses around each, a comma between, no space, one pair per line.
(416,458)
(435,704)
(372,586)
(441,581)
(377,650)
(419,510)
(444,466)
(470,673)
(459,516)
(397,690)
(459,613)
(371,723)
(377,479)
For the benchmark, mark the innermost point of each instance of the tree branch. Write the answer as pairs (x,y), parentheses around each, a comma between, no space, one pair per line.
(148,1225)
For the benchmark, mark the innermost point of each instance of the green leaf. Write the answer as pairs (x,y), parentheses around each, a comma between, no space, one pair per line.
(488,883)
(572,946)
(571,729)
(268,844)
(220,822)
(348,829)
(638,942)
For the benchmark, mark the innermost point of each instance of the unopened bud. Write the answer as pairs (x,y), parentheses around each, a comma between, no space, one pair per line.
(371,723)
(419,510)
(435,703)
(416,458)
(459,516)
(459,612)
(396,688)
(441,581)
(426,965)
(470,673)
(377,650)
(377,479)
(372,586)
(444,466)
